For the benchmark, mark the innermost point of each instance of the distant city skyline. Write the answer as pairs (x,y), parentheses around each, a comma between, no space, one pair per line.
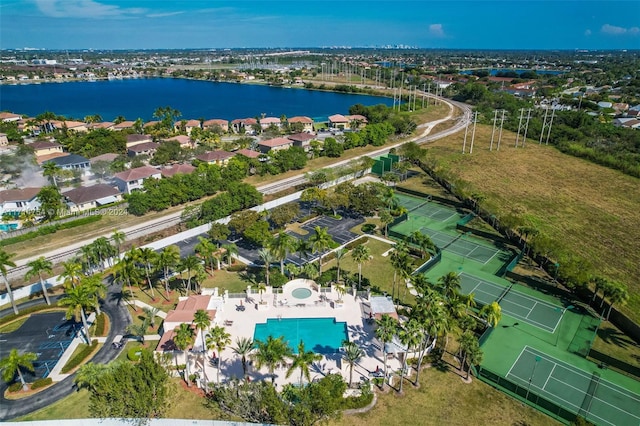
(149,24)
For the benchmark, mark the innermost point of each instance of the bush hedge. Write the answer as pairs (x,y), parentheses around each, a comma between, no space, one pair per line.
(15,387)
(100,325)
(50,229)
(40,383)
(80,357)
(26,311)
(237,268)
(133,354)
(361,401)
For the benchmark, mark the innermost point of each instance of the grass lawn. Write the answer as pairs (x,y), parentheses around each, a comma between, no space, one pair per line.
(444,399)
(587,210)
(185,404)
(74,406)
(14,325)
(615,343)
(225,280)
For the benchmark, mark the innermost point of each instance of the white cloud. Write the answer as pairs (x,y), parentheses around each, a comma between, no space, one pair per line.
(436,30)
(615,30)
(83,9)
(587,32)
(162,15)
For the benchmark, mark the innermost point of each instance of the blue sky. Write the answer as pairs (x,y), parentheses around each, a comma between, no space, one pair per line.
(129,24)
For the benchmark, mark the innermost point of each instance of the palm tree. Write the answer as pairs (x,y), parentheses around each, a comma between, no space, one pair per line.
(352,354)
(37,267)
(360,255)
(5,260)
(386,218)
(600,284)
(310,270)
(267,258)
(230,251)
(303,248)
(449,284)
(96,287)
(150,314)
(126,272)
(400,262)
(339,254)
(89,259)
(14,363)
(77,300)
(386,329)
(183,338)
(320,241)
(302,360)
(103,250)
(467,341)
(293,270)
(202,321)
(261,289)
(243,347)
(219,339)
(191,264)
(89,374)
(491,313)
(619,295)
(71,274)
(281,246)
(147,257)
(411,335)
(474,355)
(51,170)
(270,353)
(118,239)
(205,248)
(168,258)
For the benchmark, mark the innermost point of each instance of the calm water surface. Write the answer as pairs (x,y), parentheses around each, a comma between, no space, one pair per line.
(195,99)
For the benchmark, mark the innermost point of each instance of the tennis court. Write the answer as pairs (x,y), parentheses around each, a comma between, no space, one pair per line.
(578,391)
(513,303)
(440,239)
(425,208)
(408,201)
(471,250)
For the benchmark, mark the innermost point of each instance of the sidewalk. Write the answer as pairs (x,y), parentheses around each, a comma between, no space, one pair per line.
(56,374)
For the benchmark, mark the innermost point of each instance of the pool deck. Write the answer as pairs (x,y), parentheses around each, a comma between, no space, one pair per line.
(354,310)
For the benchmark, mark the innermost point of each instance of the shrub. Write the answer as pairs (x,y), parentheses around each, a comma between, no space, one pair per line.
(40,383)
(237,268)
(50,229)
(100,325)
(80,357)
(355,243)
(25,311)
(133,354)
(360,401)
(15,387)
(310,216)
(368,228)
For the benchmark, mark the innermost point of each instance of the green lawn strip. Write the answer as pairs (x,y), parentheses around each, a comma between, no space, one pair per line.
(13,325)
(74,406)
(615,343)
(225,280)
(80,355)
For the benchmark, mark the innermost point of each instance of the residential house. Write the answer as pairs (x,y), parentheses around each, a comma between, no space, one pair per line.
(74,126)
(631,124)
(71,162)
(8,117)
(146,148)
(41,148)
(338,121)
(150,124)
(302,140)
(210,124)
(240,125)
(382,305)
(276,144)
(109,157)
(183,169)
(248,153)
(107,125)
(267,122)
(133,179)
(189,125)
(356,121)
(184,141)
(16,201)
(307,123)
(4,141)
(221,158)
(91,197)
(184,314)
(133,140)
(124,125)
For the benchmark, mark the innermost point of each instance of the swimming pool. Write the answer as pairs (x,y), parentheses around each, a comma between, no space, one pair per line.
(301,293)
(6,227)
(321,335)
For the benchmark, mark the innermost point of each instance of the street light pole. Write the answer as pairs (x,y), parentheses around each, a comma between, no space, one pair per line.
(533,372)
(560,324)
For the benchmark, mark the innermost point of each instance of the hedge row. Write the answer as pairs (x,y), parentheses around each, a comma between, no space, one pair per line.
(50,229)
(15,387)
(100,325)
(40,383)
(26,311)
(332,255)
(237,268)
(79,357)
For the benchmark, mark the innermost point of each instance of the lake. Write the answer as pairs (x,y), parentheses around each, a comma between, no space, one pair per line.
(139,98)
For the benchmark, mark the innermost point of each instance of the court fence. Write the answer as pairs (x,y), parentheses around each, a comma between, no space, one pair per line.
(526,395)
(435,259)
(586,333)
(512,264)
(468,218)
(618,365)
(436,198)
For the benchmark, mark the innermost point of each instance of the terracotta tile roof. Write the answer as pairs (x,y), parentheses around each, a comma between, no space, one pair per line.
(44,158)
(301,119)
(103,125)
(9,116)
(150,123)
(124,125)
(338,118)
(301,137)
(270,120)
(215,156)
(276,142)
(44,145)
(181,139)
(186,309)
(145,146)
(362,118)
(166,341)
(214,121)
(248,153)
(104,157)
(192,123)
(184,169)
(137,173)
(245,121)
(23,194)
(139,138)
(85,194)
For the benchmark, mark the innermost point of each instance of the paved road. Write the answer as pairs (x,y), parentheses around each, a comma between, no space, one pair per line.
(119,318)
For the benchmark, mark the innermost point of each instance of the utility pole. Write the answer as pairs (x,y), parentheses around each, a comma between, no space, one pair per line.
(493,130)
(500,134)
(547,125)
(526,127)
(464,142)
(473,134)
(429,93)
(423,87)
(519,126)
(544,125)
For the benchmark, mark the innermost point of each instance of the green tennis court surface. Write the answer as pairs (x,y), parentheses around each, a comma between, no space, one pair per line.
(473,251)
(578,391)
(513,303)
(440,239)
(408,201)
(434,212)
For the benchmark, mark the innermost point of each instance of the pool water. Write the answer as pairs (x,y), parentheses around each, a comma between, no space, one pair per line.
(6,227)
(320,335)
(301,293)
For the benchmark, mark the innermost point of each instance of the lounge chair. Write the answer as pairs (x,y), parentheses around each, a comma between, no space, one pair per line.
(228,323)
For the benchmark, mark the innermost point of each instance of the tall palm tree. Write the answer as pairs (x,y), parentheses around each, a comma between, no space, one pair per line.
(219,339)
(618,296)
(302,360)
(599,283)
(88,375)
(386,218)
(339,254)
(411,335)
(191,264)
(147,257)
(118,239)
(38,267)
(202,321)
(206,248)
(230,251)
(352,354)
(51,170)
(492,313)
(303,248)
(281,246)
(5,260)
(168,258)
(77,300)
(449,284)
(320,241)
(474,356)
(400,262)
(293,270)
(466,341)
(243,347)
(386,329)
(270,353)
(267,258)
(261,289)
(96,288)
(103,250)
(71,274)
(183,338)
(360,255)
(126,272)
(14,363)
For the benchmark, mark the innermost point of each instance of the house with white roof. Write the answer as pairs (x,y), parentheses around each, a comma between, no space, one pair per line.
(15,201)
(133,179)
